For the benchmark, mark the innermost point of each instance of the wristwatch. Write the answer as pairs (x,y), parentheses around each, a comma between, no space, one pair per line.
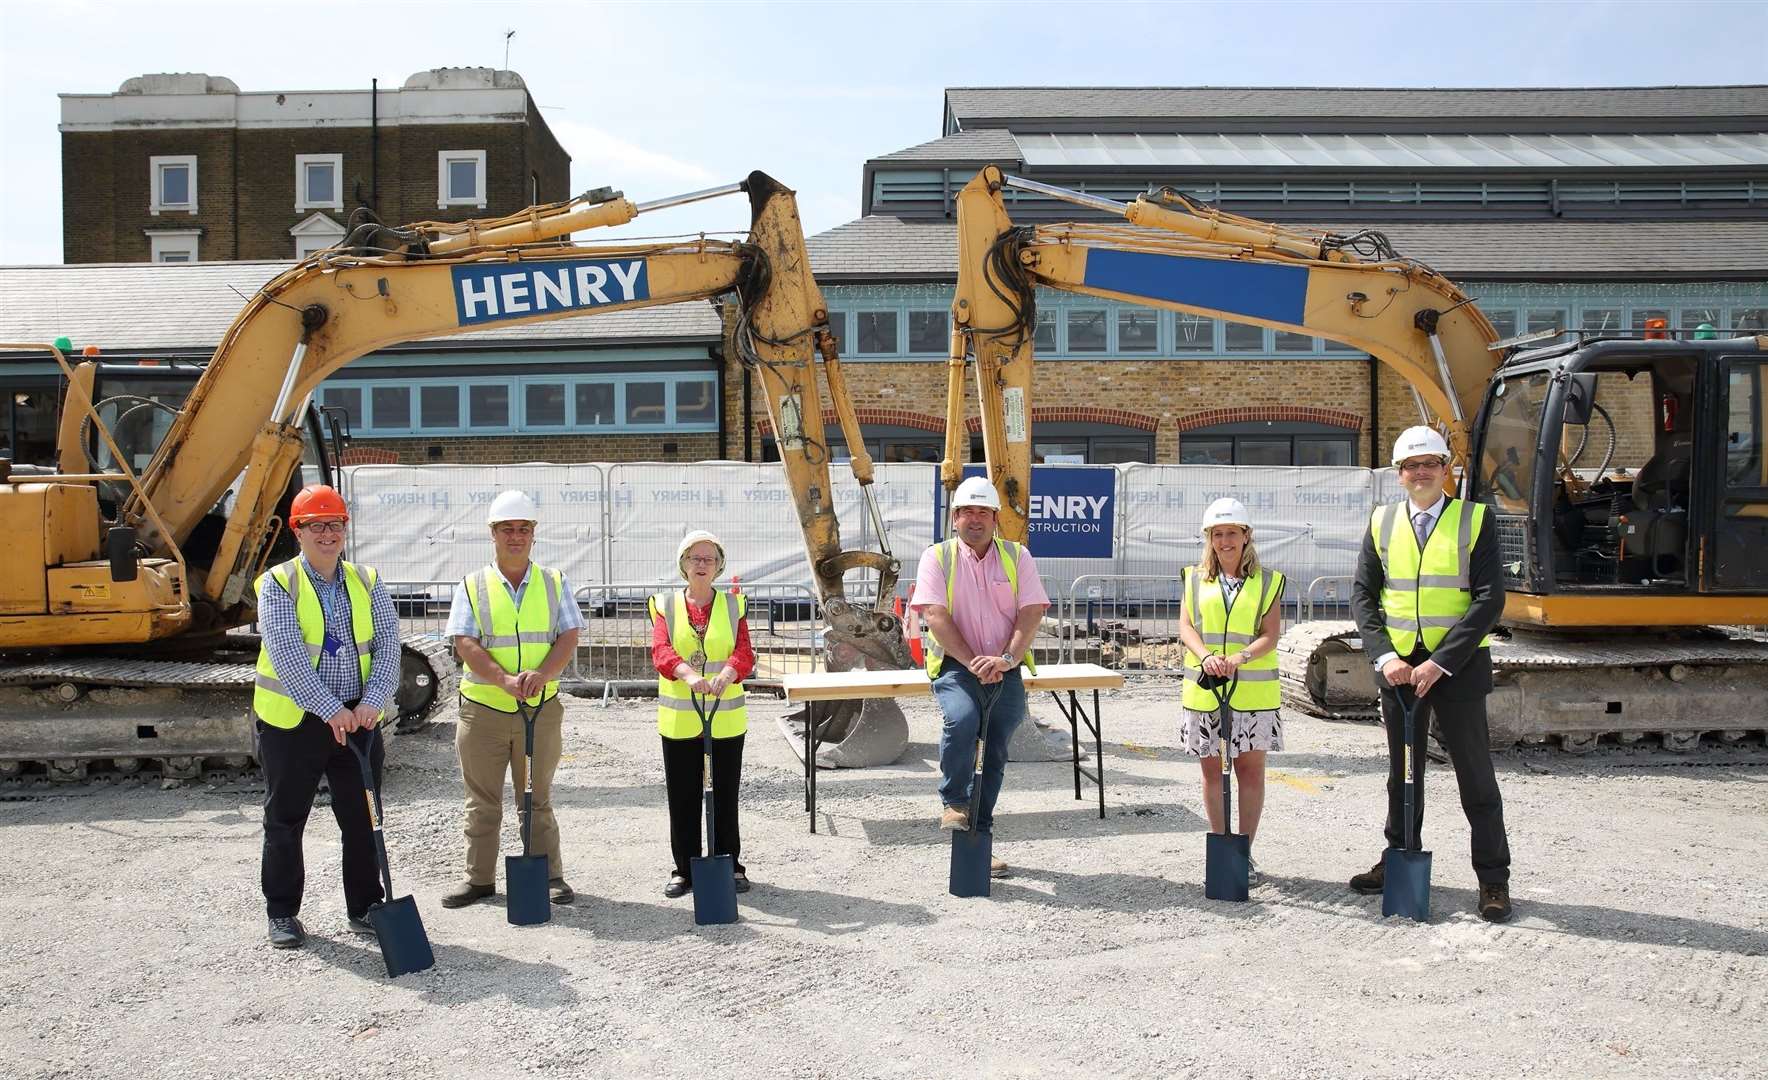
(1008,657)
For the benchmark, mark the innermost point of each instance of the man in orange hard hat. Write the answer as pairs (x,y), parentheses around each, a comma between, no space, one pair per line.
(328,666)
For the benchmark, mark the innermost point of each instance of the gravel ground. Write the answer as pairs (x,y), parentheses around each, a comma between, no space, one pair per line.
(133,941)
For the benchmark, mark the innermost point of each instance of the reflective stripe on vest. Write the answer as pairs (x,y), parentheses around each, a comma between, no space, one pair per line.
(947,554)
(1227,628)
(1425,593)
(516,640)
(270,699)
(676,715)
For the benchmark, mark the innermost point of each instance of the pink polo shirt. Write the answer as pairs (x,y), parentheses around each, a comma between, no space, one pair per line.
(981,594)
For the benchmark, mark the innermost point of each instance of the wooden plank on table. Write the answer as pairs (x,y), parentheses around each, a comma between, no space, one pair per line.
(1074,677)
(838,685)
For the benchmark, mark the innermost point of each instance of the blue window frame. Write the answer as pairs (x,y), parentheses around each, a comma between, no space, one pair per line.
(634,401)
(910,322)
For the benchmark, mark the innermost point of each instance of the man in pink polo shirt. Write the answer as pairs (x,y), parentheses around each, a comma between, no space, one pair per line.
(981,600)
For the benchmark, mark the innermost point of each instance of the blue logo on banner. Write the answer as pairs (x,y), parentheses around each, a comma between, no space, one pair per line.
(1072,510)
(492,292)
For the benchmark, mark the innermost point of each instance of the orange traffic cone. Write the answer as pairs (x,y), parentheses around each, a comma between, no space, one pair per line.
(911,630)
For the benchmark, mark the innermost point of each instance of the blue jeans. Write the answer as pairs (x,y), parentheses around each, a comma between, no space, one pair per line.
(963,700)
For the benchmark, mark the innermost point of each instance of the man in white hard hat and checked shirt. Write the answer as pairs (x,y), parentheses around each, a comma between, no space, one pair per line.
(981,601)
(514,624)
(1428,591)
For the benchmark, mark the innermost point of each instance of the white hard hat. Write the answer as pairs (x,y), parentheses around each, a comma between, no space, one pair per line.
(698,536)
(1226,511)
(1419,441)
(512,506)
(976,491)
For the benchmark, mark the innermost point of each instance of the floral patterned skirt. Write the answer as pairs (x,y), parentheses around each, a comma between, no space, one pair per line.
(1258,730)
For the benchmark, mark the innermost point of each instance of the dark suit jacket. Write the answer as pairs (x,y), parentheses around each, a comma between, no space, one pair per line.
(1460,650)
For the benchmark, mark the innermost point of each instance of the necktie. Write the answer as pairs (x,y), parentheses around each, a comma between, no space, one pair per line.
(1421,527)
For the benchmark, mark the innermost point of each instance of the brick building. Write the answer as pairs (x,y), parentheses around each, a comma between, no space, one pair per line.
(187,168)
(1598,208)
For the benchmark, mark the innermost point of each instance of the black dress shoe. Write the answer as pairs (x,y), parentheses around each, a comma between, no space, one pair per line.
(677,886)
(742,881)
(1372,882)
(467,893)
(287,932)
(1494,902)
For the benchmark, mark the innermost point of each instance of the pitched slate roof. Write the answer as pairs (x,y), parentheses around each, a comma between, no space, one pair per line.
(879,248)
(187,307)
(973,106)
(981,147)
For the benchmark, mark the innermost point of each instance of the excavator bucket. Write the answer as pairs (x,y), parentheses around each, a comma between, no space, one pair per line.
(852,734)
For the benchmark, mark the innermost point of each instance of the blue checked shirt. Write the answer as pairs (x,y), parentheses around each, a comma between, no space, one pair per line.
(461,622)
(338,678)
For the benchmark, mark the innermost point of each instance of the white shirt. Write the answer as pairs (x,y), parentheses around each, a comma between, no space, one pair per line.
(1435,511)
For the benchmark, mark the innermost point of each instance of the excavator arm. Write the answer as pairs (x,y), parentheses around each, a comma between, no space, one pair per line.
(1174,253)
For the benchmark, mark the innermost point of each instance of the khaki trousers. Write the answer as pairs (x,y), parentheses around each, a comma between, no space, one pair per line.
(491,744)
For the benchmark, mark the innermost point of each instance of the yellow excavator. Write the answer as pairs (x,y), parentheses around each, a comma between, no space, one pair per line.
(120,613)
(1619,585)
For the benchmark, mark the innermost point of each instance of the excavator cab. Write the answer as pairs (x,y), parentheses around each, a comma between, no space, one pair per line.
(137,402)
(1627,467)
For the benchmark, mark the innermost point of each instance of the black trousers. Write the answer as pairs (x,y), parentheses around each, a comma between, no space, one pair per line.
(294,760)
(1461,729)
(682,770)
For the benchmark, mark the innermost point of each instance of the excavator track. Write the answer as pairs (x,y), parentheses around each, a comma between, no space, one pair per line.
(114,720)
(1578,692)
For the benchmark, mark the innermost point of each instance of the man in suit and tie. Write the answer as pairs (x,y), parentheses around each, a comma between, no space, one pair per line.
(1427,594)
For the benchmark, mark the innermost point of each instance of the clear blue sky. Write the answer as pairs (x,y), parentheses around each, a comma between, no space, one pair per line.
(661,97)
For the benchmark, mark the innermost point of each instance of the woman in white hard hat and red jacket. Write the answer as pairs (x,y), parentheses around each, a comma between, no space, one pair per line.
(700,648)
(514,624)
(1229,620)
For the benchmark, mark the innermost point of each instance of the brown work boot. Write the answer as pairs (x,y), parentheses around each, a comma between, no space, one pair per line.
(954,817)
(466,893)
(1494,902)
(998,868)
(1372,882)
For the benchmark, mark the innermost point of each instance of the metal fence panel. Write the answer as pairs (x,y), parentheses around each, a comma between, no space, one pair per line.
(427,522)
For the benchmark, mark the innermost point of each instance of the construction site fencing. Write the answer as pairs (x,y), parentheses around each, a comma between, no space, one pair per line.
(623,522)
(1326,598)
(1124,621)
(750,508)
(427,522)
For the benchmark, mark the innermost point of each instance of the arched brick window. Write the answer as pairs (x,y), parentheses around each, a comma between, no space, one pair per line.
(1269,435)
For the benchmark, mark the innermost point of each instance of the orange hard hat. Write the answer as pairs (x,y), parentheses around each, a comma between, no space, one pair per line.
(317,501)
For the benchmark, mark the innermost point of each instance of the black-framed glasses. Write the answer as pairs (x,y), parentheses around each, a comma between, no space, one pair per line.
(325,526)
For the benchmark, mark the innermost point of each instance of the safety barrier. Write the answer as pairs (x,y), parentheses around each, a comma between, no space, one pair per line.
(1326,598)
(1130,621)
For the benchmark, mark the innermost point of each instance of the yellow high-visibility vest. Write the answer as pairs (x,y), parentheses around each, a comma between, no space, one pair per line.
(1425,593)
(947,554)
(676,716)
(270,700)
(1228,629)
(517,640)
